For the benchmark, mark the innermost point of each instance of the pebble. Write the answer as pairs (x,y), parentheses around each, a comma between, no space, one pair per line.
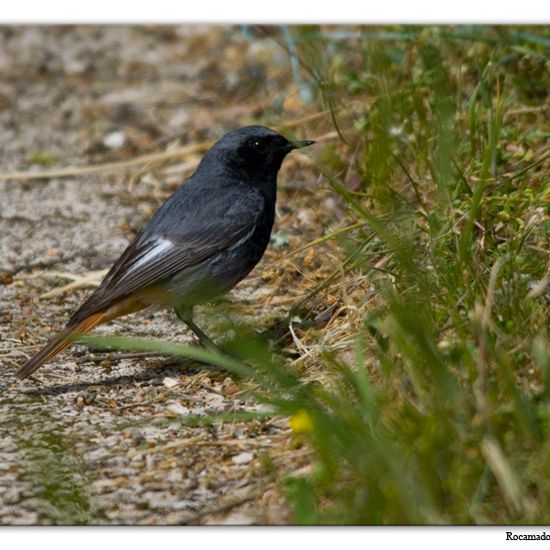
(176,408)
(114,140)
(171,382)
(236,518)
(243,458)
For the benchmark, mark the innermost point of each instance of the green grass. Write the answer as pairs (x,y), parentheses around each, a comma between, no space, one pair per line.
(441,413)
(57,477)
(443,416)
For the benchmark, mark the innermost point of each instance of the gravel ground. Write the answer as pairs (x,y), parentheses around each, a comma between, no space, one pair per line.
(100,441)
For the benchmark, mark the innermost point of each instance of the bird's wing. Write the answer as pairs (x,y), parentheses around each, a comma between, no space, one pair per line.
(157,254)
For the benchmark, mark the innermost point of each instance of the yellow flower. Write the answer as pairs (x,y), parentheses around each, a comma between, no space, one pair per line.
(301,422)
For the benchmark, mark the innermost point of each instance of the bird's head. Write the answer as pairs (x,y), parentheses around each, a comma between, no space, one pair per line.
(256,150)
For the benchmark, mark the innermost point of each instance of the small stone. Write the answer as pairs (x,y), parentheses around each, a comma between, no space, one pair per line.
(243,458)
(96,454)
(237,518)
(171,382)
(114,140)
(214,400)
(178,409)
(134,435)
(12,495)
(174,475)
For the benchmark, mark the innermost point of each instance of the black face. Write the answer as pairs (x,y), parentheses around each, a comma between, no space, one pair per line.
(256,149)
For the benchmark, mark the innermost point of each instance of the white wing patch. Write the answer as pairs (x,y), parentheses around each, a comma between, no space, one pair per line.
(160,246)
(243,239)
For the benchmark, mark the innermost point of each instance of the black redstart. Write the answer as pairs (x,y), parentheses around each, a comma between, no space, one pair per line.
(201,242)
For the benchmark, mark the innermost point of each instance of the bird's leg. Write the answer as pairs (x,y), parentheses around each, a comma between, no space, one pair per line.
(185,313)
(204,340)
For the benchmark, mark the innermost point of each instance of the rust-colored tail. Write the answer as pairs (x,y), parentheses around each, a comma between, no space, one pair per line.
(58,344)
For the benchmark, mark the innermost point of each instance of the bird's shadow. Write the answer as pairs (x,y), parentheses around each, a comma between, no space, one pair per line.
(175,367)
(277,333)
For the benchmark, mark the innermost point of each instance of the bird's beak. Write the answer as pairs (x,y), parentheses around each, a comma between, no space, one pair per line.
(298,144)
(304,143)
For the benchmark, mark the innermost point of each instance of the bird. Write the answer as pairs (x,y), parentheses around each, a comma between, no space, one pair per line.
(205,238)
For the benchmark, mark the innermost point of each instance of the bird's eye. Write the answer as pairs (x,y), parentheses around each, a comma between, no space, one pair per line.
(260,145)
